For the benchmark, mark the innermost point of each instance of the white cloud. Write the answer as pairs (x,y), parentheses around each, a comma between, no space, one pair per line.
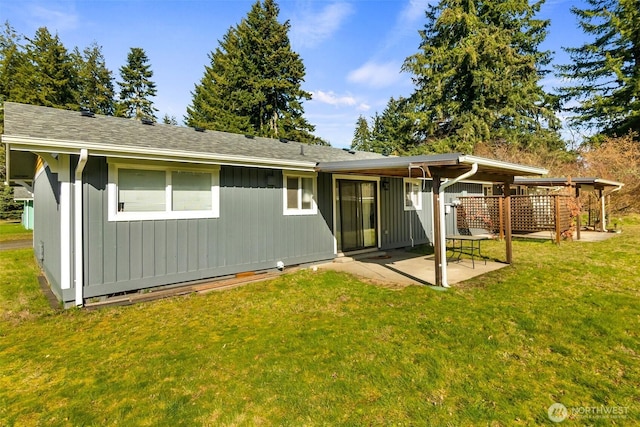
(413,11)
(332,99)
(54,20)
(313,27)
(376,75)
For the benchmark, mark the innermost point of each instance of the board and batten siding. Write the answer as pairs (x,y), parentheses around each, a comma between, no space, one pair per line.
(400,227)
(251,233)
(451,194)
(46,231)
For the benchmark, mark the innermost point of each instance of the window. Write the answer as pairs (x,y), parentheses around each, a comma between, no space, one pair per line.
(191,191)
(147,192)
(412,195)
(299,194)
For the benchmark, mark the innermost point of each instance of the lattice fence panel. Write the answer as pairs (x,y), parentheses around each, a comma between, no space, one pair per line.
(538,213)
(478,212)
(528,213)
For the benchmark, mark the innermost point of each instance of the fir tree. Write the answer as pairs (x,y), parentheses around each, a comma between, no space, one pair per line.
(136,87)
(12,59)
(392,132)
(47,75)
(95,81)
(606,70)
(362,135)
(253,83)
(169,120)
(477,77)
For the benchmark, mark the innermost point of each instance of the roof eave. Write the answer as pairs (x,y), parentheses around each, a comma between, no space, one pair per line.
(521,170)
(22,143)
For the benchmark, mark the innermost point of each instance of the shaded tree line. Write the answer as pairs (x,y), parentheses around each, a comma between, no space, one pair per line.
(41,71)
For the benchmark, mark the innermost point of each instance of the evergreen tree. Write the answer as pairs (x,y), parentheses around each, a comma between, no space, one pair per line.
(136,87)
(362,135)
(47,75)
(253,83)
(606,70)
(169,120)
(392,130)
(219,101)
(95,80)
(477,77)
(12,58)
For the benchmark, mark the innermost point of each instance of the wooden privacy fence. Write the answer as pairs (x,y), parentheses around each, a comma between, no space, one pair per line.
(529,214)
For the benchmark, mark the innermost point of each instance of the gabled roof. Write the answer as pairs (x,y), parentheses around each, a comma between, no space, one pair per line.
(35,128)
(21,193)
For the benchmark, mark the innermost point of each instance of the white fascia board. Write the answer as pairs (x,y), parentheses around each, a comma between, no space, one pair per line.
(608,182)
(125,152)
(529,170)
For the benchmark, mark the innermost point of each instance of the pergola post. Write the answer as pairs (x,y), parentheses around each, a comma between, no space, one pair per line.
(556,215)
(507,222)
(579,218)
(437,232)
(603,219)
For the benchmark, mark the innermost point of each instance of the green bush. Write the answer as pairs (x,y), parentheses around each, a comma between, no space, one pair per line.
(9,209)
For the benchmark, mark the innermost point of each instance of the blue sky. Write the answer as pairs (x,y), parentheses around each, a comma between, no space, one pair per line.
(352,50)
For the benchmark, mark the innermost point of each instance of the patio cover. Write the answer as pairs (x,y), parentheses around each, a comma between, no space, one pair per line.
(579,183)
(442,165)
(453,168)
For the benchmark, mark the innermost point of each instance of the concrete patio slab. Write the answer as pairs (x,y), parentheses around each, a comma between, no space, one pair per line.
(404,268)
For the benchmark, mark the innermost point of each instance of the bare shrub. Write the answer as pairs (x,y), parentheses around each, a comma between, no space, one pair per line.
(616,159)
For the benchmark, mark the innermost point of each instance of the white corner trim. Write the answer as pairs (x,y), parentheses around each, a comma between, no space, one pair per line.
(64,180)
(78,229)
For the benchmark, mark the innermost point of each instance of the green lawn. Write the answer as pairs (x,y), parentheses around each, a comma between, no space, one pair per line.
(561,325)
(12,230)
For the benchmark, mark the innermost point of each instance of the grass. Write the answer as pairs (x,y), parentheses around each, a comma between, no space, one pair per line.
(13,230)
(560,325)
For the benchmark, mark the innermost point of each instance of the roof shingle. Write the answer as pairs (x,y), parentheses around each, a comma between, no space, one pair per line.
(46,123)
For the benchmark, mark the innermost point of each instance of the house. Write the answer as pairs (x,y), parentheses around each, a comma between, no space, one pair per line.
(22,194)
(123,205)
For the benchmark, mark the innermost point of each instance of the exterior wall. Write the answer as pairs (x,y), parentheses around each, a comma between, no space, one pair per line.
(251,234)
(27,214)
(400,227)
(46,233)
(451,194)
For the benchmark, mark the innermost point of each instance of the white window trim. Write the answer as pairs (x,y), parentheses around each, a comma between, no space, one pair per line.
(299,211)
(417,182)
(112,192)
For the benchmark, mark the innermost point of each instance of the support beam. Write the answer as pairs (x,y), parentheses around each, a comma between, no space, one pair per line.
(54,164)
(603,217)
(579,218)
(556,216)
(507,222)
(437,232)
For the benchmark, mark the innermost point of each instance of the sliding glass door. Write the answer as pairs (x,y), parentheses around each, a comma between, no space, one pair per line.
(357,214)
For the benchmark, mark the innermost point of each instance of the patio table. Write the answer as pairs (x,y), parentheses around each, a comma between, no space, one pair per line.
(463,244)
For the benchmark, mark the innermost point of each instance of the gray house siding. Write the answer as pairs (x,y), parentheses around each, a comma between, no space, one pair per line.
(252,233)
(46,233)
(451,194)
(400,228)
